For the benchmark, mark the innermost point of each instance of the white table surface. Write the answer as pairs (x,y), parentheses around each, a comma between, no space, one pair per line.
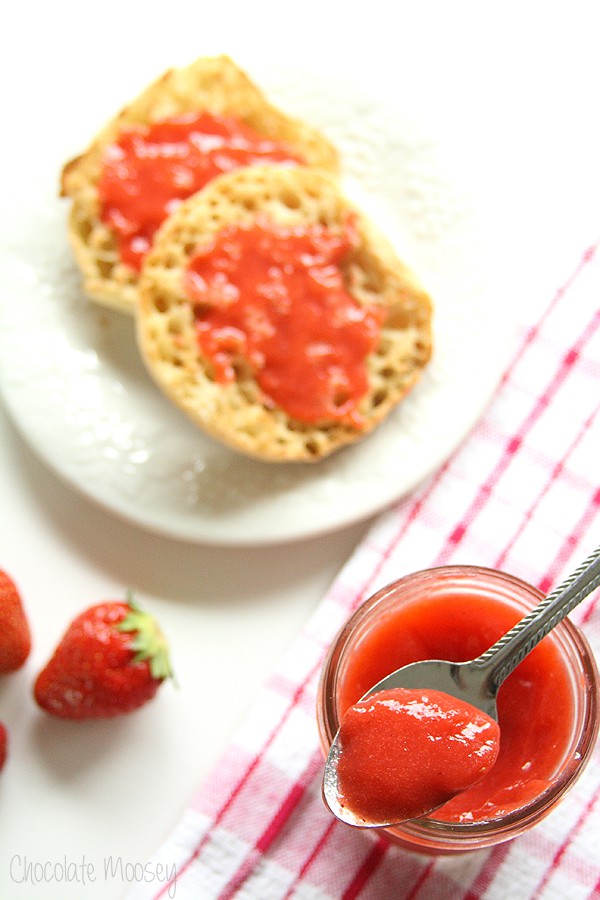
(513,89)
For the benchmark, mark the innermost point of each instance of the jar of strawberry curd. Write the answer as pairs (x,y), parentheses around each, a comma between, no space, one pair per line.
(548,708)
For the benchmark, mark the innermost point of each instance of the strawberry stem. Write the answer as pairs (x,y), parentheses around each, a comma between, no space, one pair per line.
(148,642)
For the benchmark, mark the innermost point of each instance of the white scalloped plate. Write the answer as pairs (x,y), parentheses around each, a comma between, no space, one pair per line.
(74,385)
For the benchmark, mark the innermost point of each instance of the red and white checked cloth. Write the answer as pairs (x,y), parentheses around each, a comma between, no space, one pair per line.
(521,494)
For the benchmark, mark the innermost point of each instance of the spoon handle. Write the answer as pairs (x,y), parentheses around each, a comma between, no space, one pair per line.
(506,654)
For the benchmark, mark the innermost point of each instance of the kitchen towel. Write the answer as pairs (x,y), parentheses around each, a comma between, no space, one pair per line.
(521,494)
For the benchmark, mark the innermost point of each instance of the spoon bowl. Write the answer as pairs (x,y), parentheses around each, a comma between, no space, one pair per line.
(476,681)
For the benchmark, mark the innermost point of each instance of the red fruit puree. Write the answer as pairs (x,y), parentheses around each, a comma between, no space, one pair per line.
(407,752)
(150,169)
(535,705)
(275,297)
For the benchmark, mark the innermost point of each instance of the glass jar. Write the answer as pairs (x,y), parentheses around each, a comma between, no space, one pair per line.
(436,836)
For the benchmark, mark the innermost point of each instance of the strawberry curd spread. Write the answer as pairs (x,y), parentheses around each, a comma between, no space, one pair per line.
(150,169)
(274,297)
(535,703)
(407,752)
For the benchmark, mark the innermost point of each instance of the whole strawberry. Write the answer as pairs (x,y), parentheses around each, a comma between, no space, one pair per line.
(15,636)
(3,743)
(111,660)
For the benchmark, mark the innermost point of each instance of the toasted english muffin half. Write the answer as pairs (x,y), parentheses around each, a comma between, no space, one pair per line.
(214,85)
(237,413)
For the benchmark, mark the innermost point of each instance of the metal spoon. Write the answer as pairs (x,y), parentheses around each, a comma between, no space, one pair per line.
(478,680)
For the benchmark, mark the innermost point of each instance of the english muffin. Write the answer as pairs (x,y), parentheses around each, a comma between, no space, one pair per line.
(223,392)
(109,240)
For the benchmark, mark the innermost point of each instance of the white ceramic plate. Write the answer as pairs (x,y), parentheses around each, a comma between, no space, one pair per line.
(76,389)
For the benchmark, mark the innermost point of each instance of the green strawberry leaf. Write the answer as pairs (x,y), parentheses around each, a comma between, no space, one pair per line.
(148,641)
